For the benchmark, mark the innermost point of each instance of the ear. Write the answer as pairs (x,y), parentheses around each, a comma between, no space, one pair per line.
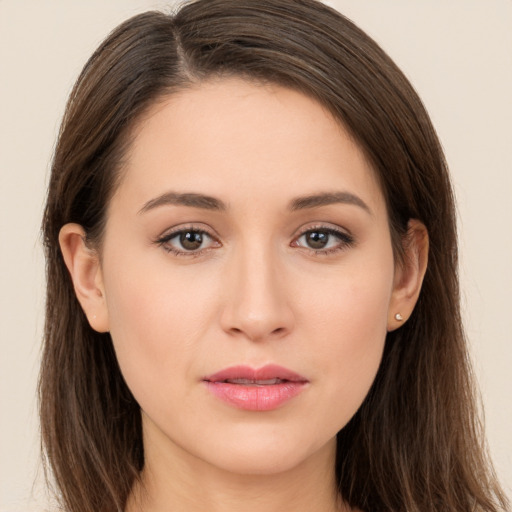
(409,274)
(84,267)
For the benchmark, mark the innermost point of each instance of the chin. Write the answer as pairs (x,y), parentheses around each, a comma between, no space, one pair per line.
(254,455)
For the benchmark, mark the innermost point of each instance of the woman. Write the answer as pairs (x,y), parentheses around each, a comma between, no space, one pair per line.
(252,287)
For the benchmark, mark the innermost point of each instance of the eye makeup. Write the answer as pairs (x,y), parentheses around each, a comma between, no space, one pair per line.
(194,241)
(188,241)
(323,240)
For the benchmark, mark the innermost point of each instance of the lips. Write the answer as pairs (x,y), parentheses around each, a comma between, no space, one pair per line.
(261,389)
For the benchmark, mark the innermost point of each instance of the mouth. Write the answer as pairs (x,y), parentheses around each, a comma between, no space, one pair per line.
(262,389)
(253,382)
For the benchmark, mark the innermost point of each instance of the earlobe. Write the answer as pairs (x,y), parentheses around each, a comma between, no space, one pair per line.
(84,267)
(409,274)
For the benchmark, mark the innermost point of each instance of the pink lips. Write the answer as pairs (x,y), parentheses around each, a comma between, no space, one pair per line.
(262,389)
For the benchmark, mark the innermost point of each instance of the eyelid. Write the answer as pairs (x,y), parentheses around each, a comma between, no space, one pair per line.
(344,235)
(326,226)
(346,239)
(173,232)
(191,226)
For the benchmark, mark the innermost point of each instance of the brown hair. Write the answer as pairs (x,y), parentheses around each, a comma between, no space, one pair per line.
(416,443)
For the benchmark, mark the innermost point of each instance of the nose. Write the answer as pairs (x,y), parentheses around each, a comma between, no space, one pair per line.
(257,302)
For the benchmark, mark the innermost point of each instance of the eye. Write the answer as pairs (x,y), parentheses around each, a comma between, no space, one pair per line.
(187,241)
(324,240)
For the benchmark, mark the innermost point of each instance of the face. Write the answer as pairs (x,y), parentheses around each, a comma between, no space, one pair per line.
(248,276)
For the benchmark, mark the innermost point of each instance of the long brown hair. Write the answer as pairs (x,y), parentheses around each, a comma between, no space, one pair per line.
(416,443)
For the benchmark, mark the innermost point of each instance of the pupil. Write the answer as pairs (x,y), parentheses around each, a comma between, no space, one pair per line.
(317,239)
(191,240)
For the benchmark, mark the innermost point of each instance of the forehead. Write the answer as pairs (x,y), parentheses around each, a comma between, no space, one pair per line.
(229,136)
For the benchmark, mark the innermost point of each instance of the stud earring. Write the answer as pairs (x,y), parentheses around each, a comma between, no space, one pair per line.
(399,317)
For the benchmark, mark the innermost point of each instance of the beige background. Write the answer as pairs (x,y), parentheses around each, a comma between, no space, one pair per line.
(457,53)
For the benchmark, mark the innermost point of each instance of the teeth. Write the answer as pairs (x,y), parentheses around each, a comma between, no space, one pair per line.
(251,382)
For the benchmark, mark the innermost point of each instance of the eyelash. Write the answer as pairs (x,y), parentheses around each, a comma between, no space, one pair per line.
(345,241)
(165,239)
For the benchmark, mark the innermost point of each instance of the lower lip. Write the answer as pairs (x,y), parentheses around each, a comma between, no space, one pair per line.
(256,398)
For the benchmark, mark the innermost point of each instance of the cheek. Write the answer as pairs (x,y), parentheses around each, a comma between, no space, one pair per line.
(156,320)
(349,324)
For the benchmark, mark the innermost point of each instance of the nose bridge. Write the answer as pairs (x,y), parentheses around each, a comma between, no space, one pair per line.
(257,304)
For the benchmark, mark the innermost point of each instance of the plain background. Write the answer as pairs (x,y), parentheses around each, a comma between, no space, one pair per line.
(458,55)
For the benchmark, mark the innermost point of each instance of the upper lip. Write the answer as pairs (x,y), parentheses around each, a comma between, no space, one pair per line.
(265,373)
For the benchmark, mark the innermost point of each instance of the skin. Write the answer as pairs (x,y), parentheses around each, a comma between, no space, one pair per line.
(255,292)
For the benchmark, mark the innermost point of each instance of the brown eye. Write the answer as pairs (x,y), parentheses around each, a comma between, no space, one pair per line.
(188,241)
(317,239)
(324,240)
(191,240)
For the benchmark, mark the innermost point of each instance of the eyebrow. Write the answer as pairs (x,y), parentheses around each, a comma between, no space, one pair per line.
(184,199)
(205,202)
(328,198)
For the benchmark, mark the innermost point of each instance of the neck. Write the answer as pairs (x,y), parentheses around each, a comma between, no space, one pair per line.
(173,480)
